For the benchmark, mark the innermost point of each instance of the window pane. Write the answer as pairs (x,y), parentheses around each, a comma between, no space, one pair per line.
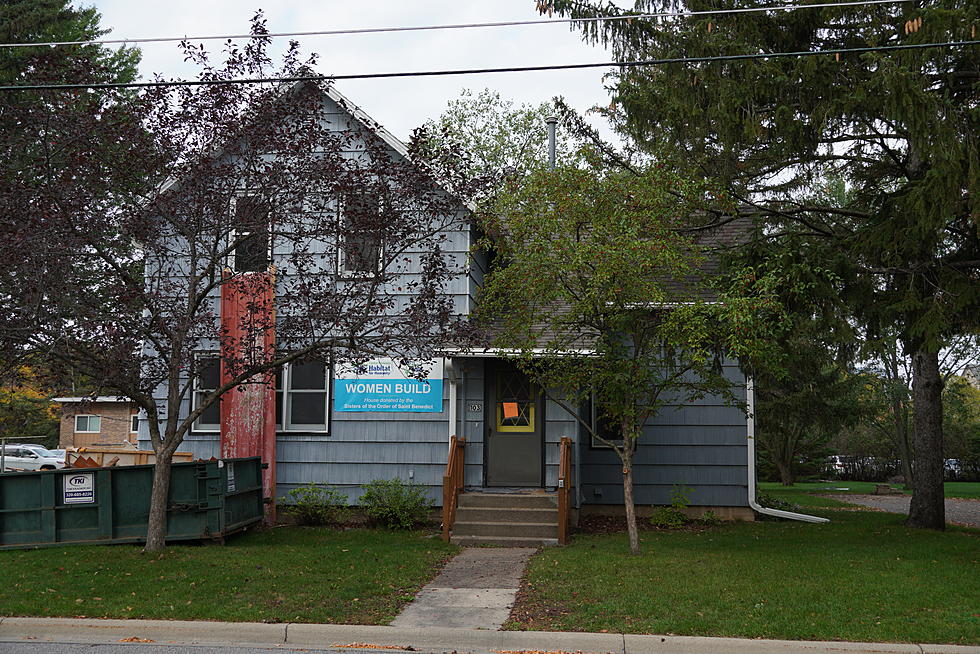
(308,409)
(136,424)
(210,373)
(81,423)
(211,416)
(361,243)
(252,252)
(308,375)
(251,213)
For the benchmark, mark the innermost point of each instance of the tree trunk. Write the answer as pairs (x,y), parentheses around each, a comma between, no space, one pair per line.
(630,505)
(904,447)
(928,508)
(785,472)
(156,528)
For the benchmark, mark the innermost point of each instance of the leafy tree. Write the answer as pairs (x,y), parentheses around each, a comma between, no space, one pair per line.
(599,260)
(961,423)
(486,138)
(897,127)
(135,242)
(26,412)
(798,413)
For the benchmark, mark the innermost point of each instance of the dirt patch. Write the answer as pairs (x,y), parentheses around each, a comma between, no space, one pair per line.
(616,524)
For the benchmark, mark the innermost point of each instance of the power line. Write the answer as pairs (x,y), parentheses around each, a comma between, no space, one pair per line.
(422,28)
(476,71)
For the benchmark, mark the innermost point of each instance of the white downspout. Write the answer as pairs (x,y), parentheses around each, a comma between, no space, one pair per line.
(750,425)
(451,371)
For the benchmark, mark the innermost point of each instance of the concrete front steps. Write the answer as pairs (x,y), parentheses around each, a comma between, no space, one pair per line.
(506,519)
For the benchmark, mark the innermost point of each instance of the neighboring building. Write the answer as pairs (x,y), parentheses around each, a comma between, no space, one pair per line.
(344,429)
(972,375)
(98,420)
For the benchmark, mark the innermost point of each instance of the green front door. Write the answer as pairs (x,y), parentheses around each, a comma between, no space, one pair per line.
(515,419)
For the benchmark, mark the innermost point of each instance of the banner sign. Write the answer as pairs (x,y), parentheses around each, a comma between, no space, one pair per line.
(380,385)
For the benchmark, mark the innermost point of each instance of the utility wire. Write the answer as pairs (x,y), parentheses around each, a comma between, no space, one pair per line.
(476,71)
(422,28)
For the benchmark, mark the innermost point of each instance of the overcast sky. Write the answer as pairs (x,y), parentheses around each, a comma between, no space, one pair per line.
(398,104)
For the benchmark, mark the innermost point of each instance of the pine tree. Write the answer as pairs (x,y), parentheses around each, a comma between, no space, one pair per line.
(898,127)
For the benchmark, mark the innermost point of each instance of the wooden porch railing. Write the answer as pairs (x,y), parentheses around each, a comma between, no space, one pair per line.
(452,484)
(564,487)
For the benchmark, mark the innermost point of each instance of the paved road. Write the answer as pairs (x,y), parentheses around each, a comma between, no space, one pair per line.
(959,511)
(141,648)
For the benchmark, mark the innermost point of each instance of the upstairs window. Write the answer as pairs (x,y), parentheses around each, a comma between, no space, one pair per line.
(361,221)
(88,424)
(251,235)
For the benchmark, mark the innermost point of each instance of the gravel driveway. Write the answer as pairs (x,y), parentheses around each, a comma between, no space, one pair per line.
(959,511)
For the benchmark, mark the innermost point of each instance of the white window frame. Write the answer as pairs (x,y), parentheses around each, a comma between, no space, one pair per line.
(89,416)
(199,427)
(342,270)
(594,442)
(235,233)
(134,423)
(284,394)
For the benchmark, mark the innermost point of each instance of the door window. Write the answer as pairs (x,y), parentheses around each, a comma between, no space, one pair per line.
(514,403)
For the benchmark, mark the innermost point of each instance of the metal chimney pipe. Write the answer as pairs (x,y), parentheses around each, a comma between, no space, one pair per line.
(552,122)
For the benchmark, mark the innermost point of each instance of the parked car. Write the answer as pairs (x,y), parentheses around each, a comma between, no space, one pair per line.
(43,451)
(19,457)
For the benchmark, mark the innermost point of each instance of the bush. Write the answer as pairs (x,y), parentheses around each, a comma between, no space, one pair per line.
(317,505)
(773,502)
(673,516)
(709,519)
(395,504)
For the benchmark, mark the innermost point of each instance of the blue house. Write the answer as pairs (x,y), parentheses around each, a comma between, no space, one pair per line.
(344,427)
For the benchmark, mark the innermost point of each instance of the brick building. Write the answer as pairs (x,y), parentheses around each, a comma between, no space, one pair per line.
(99,420)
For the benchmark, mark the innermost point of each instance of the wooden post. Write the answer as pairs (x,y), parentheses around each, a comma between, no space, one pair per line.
(564,487)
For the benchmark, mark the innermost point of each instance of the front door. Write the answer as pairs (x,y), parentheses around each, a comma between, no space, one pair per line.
(514,432)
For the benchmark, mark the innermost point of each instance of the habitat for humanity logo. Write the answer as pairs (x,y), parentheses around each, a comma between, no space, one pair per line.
(381,369)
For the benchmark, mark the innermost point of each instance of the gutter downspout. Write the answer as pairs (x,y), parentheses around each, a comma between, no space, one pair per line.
(750,426)
(451,373)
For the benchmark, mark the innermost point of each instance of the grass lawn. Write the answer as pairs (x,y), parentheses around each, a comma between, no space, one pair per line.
(288,574)
(864,577)
(964,489)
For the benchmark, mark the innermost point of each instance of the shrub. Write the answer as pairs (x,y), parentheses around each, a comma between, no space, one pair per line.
(395,504)
(709,519)
(317,505)
(673,516)
(773,502)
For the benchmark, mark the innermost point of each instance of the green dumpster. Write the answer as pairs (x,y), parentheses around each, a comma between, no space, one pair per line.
(208,500)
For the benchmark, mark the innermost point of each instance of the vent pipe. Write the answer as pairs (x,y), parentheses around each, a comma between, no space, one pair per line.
(552,122)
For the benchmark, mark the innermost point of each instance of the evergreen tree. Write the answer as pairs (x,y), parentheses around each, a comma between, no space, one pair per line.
(897,127)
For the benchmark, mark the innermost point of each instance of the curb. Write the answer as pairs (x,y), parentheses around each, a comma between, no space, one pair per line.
(355,637)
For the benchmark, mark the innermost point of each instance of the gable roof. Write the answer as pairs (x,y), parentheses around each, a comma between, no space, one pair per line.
(330,90)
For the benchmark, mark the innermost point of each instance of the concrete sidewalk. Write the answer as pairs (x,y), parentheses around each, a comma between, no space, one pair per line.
(475,590)
(425,640)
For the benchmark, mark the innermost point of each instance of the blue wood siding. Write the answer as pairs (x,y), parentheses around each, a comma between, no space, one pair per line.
(701,445)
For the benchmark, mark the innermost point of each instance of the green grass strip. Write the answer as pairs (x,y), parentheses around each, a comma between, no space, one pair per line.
(288,574)
(862,577)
